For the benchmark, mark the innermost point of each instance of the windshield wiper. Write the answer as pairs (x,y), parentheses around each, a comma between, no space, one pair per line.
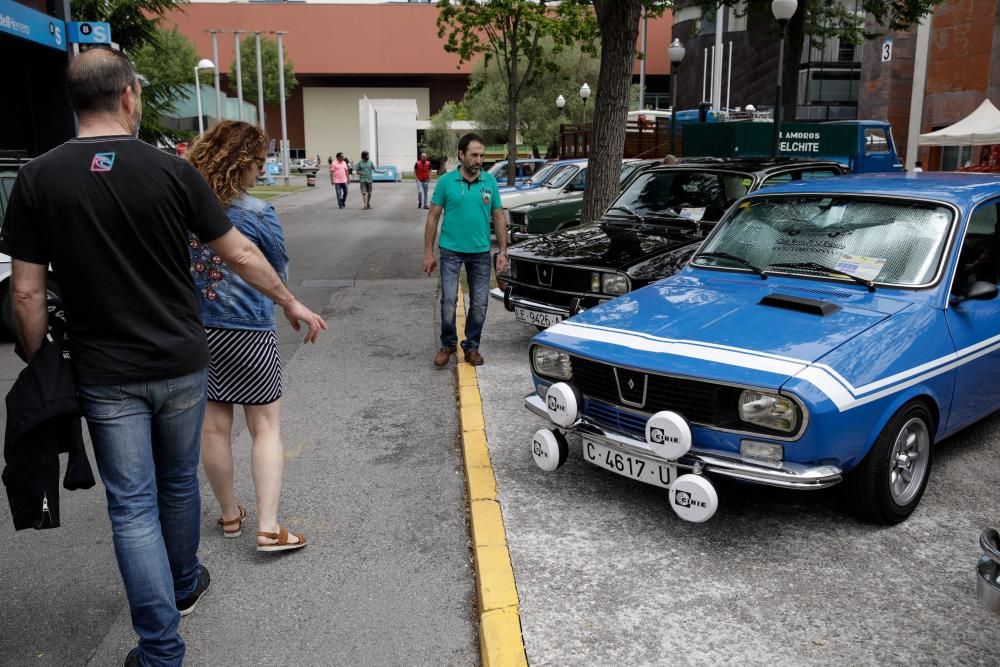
(738,260)
(816,266)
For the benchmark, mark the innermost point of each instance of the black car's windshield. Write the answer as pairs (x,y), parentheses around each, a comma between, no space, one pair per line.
(888,242)
(694,195)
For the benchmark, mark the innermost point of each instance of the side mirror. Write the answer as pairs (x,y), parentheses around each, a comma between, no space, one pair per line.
(979,291)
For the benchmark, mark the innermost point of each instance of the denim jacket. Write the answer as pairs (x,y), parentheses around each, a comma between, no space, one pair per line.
(227,301)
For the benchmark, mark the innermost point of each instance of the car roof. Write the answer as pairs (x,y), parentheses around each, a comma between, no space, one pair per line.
(963,189)
(763,165)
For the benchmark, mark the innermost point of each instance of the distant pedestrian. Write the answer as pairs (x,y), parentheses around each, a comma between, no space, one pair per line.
(469,198)
(918,166)
(112,215)
(338,176)
(422,172)
(366,169)
(245,368)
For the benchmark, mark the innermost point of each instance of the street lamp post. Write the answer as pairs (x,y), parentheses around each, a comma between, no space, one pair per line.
(676,52)
(560,104)
(584,95)
(782,10)
(260,87)
(281,100)
(239,74)
(204,63)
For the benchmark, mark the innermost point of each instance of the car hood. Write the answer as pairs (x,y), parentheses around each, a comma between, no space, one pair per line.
(522,197)
(600,246)
(712,325)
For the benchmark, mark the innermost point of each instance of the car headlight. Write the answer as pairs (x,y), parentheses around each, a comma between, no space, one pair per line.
(768,410)
(552,363)
(614,283)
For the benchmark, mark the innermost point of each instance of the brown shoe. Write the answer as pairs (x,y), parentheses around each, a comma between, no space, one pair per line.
(443,355)
(473,357)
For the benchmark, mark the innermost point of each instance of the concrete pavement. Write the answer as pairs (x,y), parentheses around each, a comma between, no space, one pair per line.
(372,476)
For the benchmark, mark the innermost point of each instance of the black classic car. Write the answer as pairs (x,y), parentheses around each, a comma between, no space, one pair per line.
(648,233)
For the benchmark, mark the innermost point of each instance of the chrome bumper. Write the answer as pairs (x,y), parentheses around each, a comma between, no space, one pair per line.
(788,476)
(509,301)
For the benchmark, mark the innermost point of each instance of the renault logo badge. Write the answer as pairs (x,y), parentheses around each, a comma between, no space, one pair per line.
(631,383)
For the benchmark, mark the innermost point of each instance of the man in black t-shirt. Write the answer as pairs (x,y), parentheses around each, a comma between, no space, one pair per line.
(112,215)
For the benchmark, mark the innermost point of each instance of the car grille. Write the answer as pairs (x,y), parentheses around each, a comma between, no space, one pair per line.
(613,418)
(518,221)
(553,276)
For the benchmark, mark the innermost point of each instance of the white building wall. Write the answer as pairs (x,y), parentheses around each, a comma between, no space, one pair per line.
(389,131)
(332,117)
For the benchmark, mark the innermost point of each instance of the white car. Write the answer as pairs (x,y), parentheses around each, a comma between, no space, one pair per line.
(572,178)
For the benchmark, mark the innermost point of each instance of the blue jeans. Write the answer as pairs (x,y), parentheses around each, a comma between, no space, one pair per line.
(341,194)
(147,441)
(422,198)
(477,268)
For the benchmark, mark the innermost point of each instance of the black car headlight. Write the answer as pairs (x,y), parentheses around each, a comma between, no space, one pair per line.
(551,363)
(768,410)
(614,283)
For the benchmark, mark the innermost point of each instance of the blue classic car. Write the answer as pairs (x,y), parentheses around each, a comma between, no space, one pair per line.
(825,332)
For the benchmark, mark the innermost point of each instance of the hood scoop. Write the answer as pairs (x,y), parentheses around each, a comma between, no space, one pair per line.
(800,304)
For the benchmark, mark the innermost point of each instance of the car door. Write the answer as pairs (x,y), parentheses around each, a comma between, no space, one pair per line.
(972,323)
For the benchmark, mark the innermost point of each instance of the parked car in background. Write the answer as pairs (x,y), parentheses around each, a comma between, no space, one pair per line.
(526,168)
(548,216)
(570,179)
(386,173)
(648,233)
(544,174)
(826,331)
(9,167)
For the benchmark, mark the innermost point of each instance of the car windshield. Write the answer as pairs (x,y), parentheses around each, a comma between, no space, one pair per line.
(543,173)
(889,242)
(563,177)
(694,195)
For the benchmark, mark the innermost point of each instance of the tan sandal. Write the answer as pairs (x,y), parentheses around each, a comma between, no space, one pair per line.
(282,540)
(238,530)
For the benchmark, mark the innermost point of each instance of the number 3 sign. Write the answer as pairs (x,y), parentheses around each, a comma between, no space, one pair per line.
(887,50)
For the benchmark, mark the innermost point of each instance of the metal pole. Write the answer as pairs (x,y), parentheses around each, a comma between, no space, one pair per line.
(777,95)
(673,109)
(281,98)
(729,74)
(917,96)
(239,74)
(704,74)
(717,54)
(711,79)
(197,90)
(642,64)
(218,89)
(260,88)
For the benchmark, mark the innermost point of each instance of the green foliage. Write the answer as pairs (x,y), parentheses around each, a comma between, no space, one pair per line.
(269,65)
(168,63)
(538,116)
(133,26)
(440,141)
(824,19)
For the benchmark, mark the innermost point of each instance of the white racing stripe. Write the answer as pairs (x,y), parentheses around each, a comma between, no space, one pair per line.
(826,379)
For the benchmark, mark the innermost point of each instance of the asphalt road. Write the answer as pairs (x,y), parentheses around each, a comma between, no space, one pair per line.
(372,476)
(608,575)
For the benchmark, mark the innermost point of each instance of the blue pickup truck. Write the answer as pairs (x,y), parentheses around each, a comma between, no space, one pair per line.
(863,146)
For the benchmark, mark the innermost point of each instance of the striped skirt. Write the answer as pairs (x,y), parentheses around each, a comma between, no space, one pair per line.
(245,366)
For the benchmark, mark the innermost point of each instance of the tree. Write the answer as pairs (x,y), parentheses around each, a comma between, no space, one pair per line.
(538,117)
(269,65)
(618,22)
(510,32)
(133,26)
(440,141)
(823,19)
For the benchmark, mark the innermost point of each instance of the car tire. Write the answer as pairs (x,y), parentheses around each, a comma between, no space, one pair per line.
(887,486)
(7,308)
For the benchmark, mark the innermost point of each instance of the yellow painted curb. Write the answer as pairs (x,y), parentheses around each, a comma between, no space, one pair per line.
(500,640)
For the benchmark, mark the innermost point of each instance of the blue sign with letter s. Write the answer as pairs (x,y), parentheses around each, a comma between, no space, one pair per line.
(88,32)
(26,23)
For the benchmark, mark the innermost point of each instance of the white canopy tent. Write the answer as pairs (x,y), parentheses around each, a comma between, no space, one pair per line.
(979,128)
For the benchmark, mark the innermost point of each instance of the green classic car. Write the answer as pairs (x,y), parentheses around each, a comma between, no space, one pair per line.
(554,214)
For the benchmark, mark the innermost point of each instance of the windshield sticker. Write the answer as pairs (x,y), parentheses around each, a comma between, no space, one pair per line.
(695,214)
(862,267)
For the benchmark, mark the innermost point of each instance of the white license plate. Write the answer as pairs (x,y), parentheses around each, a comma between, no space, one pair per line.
(629,465)
(535,317)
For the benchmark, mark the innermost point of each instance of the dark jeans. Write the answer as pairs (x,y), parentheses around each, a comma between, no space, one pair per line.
(477,268)
(341,194)
(147,441)
(423,199)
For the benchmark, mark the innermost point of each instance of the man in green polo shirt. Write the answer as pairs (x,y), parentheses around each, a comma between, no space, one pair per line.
(470,200)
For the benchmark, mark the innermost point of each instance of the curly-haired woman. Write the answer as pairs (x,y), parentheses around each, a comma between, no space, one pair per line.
(245,367)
